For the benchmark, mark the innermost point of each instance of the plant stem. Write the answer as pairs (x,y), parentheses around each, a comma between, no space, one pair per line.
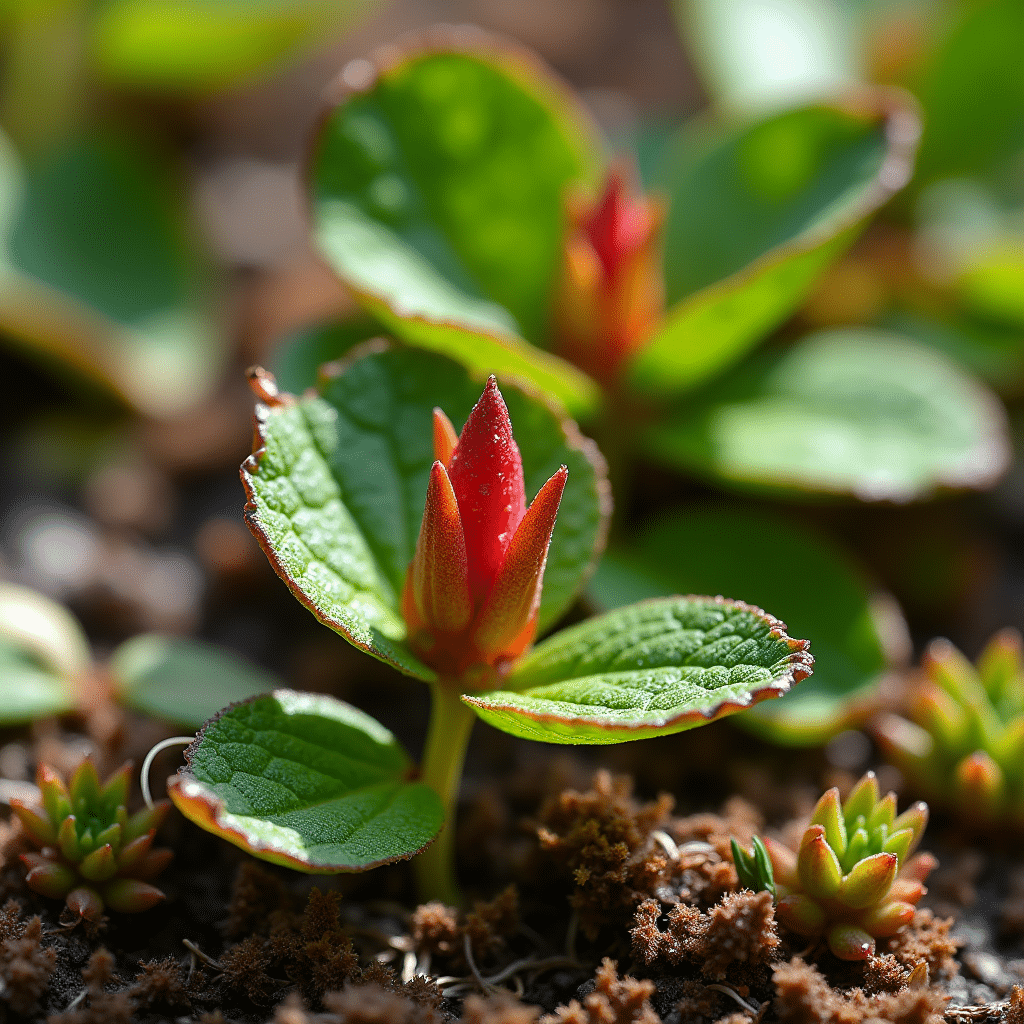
(451,722)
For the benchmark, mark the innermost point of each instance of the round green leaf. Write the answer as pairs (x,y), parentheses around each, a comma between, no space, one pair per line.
(756,215)
(207,44)
(28,688)
(182,680)
(438,183)
(337,489)
(857,412)
(98,271)
(779,565)
(307,781)
(45,630)
(648,670)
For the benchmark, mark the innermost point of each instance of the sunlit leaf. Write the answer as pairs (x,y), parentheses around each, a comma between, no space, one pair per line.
(183,680)
(201,45)
(98,272)
(438,185)
(338,487)
(306,781)
(45,630)
(647,670)
(775,564)
(757,213)
(857,412)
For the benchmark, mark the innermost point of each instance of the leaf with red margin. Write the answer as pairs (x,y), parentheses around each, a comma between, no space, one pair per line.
(306,781)
(648,670)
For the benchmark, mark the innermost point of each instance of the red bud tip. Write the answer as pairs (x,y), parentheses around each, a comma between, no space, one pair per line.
(508,620)
(445,438)
(100,865)
(619,226)
(487,478)
(438,580)
(870,880)
(980,782)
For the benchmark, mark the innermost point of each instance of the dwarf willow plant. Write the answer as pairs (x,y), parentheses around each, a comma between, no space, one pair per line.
(961,742)
(852,879)
(466,199)
(418,545)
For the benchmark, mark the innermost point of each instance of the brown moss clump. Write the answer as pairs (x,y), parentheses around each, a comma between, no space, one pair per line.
(927,939)
(803,996)
(442,931)
(1015,1008)
(614,1000)
(101,1007)
(25,967)
(600,839)
(256,895)
(362,1004)
(740,928)
(498,1009)
(884,974)
(161,984)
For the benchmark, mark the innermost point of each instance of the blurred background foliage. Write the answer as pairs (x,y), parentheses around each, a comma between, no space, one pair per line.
(857,474)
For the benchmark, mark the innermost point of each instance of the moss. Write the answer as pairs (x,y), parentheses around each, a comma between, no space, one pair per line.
(614,1000)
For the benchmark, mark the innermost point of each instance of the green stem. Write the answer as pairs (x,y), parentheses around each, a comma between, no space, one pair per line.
(451,722)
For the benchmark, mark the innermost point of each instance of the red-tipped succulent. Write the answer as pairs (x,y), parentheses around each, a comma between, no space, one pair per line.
(93,854)
(851,879)
(611,293)
(472,593)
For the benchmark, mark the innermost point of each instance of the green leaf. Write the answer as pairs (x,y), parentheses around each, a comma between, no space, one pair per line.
(337,491)
(207,44)
(756,215)
(29,689)
(756,54)
(973,93)
(856,412)
(46,631)
(297,359)
(647,670)
(307,781)
(438,184)
(181,680)
(97,271)
(774,564)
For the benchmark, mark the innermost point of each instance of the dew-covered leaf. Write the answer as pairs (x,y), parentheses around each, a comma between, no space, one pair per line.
(183,680)
(438,184)
(776,564)
(857,412)
(647,670)
(307,781)
(338,488)
(98,272)
(756,214)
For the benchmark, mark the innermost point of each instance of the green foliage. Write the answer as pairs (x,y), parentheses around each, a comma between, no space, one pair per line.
(962,740)
(182,680)
(775,564)
(649,670)
(97,271)
(306,781)
(93,854)
(45,658)
(437,195)
(338,490)
(851,879)
(757,212)
(753,869)
(846,412)
(202,45)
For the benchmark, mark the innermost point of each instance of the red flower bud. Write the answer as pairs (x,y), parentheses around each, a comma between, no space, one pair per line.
(473,588)
(611,295)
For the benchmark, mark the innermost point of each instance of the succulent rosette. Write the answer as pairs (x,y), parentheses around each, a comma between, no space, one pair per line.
(93,854)
(853,878)
(962,739)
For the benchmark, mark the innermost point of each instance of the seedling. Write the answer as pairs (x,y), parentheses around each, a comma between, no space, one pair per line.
(93,855)
(851,880)
(417,545)
(962,742)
